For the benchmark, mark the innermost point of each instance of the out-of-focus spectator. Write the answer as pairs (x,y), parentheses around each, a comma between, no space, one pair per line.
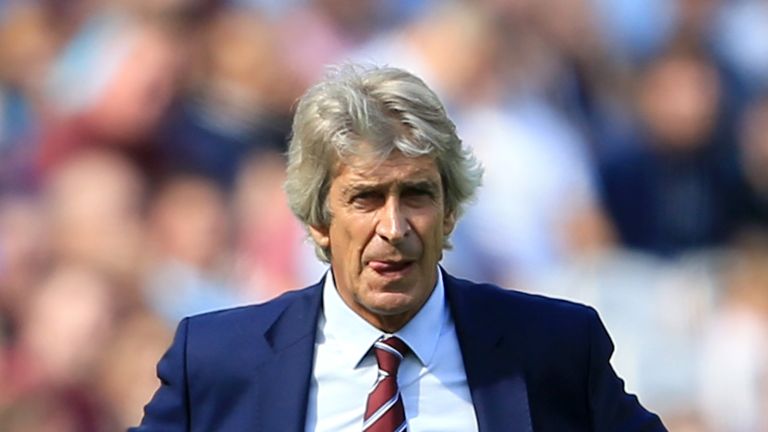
(111,87)
(48,370)
(237,104)
(68,319)
(189,236)
(273,254)
(94,209)
(671,190)
(677,100)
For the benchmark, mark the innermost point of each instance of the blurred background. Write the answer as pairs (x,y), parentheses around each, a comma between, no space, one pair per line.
(141,165)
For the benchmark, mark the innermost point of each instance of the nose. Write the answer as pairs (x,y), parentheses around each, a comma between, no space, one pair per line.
(393,225)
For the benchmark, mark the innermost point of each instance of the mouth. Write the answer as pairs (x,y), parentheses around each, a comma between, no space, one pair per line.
(391,268)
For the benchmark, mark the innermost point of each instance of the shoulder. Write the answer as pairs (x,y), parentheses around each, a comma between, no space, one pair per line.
(255,316)
(549,337)
(493,299)
(531,323)
(210,339)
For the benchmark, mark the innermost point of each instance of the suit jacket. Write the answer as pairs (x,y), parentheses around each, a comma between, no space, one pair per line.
(532,363)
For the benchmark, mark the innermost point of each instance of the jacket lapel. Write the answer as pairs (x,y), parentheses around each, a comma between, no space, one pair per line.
(496,382)
(283,377)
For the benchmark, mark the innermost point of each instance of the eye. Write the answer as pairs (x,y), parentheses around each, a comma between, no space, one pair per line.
(418,196)
(366,199)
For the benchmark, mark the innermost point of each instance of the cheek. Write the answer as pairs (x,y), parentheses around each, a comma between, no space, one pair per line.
(430,231)
(351,237)
(436,243)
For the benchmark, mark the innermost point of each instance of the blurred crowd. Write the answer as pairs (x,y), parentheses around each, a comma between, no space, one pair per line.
(625,144)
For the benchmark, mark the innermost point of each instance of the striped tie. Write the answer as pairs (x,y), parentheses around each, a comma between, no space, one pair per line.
(384,410)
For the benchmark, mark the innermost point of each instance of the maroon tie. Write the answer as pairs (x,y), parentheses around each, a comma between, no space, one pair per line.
(384,410)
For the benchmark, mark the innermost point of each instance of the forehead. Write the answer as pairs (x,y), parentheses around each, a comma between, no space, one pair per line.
(397,168)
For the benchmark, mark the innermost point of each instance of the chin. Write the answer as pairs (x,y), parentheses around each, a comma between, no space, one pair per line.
(387,304)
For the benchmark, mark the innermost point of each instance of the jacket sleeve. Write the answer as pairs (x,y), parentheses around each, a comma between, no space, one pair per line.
(613,409)
(168,411)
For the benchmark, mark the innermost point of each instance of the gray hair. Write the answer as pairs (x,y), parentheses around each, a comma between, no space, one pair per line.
(388,108)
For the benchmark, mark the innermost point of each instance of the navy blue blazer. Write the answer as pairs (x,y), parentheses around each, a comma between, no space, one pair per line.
(532,364)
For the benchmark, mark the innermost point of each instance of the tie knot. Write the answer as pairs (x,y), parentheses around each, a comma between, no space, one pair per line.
(389,352)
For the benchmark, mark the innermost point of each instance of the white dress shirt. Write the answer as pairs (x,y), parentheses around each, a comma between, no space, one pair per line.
(431,378)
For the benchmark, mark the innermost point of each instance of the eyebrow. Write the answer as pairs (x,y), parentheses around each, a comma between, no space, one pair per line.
(427,185)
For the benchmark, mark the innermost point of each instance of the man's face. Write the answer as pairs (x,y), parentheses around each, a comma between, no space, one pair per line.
(386,235)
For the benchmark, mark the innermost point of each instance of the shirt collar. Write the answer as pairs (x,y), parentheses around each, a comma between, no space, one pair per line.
(354,335)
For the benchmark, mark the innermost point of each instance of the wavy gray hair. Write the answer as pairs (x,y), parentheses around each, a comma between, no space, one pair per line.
(388,109)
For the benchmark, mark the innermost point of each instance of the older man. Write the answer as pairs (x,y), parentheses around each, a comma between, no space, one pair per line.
(388,341)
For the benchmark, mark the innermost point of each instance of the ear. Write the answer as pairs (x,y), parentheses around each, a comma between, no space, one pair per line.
(449,223)
(320,235)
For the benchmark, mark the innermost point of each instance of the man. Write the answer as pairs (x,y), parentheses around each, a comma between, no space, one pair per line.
(388,340)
